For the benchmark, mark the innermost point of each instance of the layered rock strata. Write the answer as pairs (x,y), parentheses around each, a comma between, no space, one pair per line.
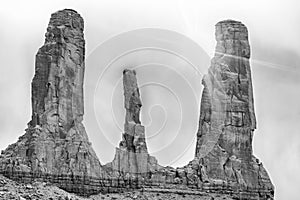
(56,144)
(132,157)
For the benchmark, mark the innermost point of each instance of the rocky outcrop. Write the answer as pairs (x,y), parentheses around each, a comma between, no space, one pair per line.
(223,163)
(44,191)
(227,119)
(132,157)
(56,149)
(55,143)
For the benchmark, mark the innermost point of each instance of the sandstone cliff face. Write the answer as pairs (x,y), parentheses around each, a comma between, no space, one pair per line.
(227,119)
(55,141)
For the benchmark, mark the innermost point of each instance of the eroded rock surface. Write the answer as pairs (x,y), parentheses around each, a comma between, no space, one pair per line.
(132,157)
(227,119)
(55,142)
(56,149)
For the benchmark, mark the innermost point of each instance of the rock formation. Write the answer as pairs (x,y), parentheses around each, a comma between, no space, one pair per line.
(56,149)
(224,162)
(132,155)
(227,119)
(55,143)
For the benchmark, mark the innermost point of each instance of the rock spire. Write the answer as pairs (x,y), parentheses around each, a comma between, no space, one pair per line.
(227,119)
(55,143)
(132,155)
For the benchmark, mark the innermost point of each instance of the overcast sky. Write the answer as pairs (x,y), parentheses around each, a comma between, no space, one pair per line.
(170,84)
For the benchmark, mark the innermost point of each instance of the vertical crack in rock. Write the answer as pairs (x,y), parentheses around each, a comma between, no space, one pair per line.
(55,146)
(132,157)
(227,119)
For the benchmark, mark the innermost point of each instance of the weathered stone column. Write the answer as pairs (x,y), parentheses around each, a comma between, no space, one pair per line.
(132,156)
(56,145)
(227,119)
(57,86)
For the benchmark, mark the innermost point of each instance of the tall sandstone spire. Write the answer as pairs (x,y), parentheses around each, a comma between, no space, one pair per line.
(227,119)
(56,143)
(132,157)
